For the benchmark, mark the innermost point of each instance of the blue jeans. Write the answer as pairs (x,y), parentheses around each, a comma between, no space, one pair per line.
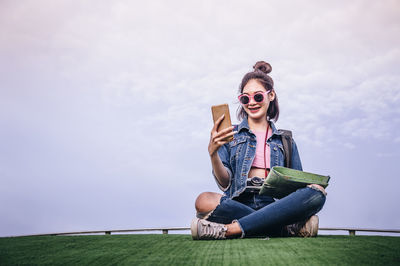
(263,216)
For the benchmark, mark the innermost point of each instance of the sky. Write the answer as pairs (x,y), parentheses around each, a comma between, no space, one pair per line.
(105,105)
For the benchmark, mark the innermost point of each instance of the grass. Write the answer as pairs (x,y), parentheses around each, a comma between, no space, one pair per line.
(182,250)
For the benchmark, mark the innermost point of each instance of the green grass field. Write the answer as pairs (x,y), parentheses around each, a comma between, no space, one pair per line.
(182,250)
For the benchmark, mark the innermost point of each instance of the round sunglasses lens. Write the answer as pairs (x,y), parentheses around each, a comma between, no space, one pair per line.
(244,99)
(258,97)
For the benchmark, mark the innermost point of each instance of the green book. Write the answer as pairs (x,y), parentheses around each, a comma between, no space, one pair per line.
(281,181)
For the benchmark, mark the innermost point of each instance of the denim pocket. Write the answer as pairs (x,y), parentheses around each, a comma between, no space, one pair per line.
(237,141)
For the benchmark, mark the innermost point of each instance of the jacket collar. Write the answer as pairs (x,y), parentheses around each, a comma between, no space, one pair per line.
(244,125)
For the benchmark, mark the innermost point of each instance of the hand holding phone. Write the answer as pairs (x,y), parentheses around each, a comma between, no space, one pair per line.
(217,112)
(222,131)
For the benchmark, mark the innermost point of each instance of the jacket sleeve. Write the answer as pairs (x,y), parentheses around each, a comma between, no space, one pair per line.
(224,155)
(296,162)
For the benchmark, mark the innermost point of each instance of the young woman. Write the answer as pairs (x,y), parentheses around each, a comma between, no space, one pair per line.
(242,164)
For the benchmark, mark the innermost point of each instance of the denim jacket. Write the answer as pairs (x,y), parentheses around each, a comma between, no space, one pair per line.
(237,156)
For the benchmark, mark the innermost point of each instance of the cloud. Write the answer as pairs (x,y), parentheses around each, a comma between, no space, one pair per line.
(349,102)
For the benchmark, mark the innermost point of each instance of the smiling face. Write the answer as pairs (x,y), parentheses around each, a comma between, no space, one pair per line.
(255,110)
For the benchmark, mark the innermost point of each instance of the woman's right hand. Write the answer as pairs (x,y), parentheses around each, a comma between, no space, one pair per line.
(218,139)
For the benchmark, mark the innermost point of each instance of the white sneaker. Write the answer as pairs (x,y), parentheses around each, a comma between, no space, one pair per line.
(203,229)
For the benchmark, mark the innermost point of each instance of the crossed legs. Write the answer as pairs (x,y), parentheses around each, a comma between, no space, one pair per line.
(297,206)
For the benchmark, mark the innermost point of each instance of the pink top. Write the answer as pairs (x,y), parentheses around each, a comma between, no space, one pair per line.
(259,159)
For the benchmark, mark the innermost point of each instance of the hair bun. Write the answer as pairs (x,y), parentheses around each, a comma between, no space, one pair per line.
(263,66)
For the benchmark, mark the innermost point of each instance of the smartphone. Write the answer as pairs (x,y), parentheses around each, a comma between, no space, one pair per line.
(217,112)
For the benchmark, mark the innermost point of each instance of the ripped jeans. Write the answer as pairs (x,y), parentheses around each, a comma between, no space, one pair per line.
(263,216)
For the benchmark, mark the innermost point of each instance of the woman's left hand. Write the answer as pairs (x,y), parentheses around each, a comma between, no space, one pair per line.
(320,188)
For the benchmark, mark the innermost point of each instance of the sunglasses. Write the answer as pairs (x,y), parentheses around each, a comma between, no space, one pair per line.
(258,97)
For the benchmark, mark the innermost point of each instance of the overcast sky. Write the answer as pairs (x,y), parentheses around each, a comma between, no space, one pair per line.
(105,105)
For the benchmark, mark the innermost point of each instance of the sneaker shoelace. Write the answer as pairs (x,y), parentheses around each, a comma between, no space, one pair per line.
(213,231)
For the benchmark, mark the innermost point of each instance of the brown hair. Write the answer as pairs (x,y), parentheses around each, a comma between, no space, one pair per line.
(260,73)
